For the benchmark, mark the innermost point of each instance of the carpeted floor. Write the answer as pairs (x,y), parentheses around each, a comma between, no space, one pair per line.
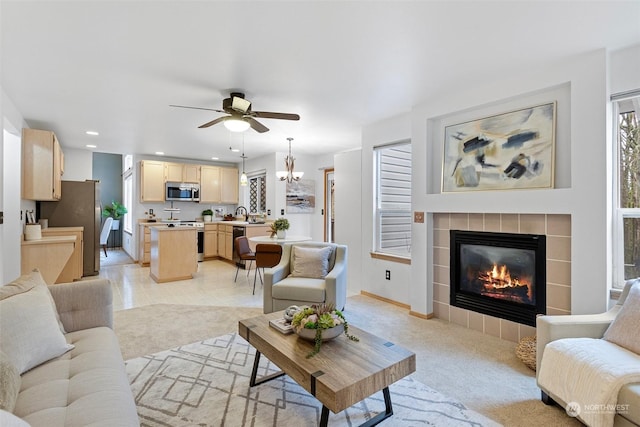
(207,384)
(480,371)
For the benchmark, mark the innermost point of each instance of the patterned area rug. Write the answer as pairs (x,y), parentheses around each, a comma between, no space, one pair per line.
(207,384)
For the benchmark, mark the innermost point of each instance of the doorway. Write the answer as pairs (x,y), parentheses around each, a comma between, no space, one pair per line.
(329,211)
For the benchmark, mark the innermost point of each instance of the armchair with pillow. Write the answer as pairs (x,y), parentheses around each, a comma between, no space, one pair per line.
(308,273)
(590,364)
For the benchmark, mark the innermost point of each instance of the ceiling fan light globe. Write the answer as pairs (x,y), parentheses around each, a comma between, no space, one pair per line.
(236,125)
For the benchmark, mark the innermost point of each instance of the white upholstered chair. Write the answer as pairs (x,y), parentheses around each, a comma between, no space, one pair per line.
(104,234)
(308,273)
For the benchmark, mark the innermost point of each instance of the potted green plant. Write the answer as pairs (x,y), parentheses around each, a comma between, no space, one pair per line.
(207,215)
(318,323)
(280,226)
(116,211)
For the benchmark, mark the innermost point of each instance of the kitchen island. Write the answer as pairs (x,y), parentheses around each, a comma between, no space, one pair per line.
(174,253)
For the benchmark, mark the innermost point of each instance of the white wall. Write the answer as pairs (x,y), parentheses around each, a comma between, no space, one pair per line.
(625,70)
(78,164)
(348,212)
(373,270)
(10,203)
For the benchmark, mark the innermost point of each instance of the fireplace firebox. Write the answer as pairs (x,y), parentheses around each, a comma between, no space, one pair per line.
(499,274)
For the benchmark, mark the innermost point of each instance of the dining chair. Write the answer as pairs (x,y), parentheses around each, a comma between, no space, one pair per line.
(244,252)
(104,234)
(267,256)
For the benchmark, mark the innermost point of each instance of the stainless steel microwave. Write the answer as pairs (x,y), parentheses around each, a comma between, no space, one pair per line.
(182,192)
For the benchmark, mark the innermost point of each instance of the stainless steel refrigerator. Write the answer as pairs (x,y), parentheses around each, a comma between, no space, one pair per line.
(79,206)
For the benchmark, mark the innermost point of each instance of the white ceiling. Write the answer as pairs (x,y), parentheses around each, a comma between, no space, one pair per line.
(115,66)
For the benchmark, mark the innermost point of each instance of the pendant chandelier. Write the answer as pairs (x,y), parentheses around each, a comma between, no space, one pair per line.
(289,175)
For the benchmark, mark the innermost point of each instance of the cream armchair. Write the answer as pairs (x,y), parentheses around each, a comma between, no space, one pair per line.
(552,328)
(286,284)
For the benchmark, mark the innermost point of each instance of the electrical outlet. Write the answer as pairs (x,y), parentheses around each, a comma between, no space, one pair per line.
(281,211)
(387,274)
(268,212)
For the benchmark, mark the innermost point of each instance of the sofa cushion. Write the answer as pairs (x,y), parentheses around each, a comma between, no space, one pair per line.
(7,419)
(311,262)
(628,399)
(299,289)
(623,331)
(85,386)
(30,334)
(9,383)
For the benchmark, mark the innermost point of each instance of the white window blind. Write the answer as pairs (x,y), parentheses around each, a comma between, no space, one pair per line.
(393,199)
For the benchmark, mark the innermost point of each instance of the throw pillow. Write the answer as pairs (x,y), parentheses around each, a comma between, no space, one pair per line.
(10,382)
(623,331)
(30,334)
(311,262)
(25,283)
(7,419)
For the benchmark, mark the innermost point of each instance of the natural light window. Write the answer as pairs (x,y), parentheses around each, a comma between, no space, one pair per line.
(128,192)
(627,208)
(392,222)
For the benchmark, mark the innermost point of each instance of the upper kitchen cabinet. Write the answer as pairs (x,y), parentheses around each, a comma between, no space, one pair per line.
(178,172)
(210,184)
(229,185)
(42,165)
(152,179)
(218,185)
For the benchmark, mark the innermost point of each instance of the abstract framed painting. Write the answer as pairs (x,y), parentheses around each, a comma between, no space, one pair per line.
(508,151)
(301,196)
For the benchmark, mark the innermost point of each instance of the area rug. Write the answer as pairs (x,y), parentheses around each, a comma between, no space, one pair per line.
(206,383)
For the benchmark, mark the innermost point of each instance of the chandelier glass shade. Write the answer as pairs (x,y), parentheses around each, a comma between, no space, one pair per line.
(236,125)
(243,178)
(289,175)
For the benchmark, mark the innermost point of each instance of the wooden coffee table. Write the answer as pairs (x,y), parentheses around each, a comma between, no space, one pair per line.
(342,374)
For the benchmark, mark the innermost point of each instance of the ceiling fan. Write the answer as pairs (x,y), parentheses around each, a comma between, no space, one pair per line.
(241,116)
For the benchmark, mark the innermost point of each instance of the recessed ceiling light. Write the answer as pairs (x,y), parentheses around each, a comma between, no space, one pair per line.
(92,132)
(235,150)
(160,153)
(215,158)
(91,146)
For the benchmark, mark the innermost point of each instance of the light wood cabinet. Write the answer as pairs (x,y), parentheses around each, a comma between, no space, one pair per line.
(42,165)
(210,240)
(73,269)
(49,254)
(210,184)
(174,253)
(179,172)
(254,231)
(152,179)
(229,185)
(225,241)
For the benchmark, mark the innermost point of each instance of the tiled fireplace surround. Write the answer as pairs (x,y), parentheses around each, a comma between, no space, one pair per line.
(557,228)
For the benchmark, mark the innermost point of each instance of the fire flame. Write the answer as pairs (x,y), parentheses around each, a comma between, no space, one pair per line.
(501,278)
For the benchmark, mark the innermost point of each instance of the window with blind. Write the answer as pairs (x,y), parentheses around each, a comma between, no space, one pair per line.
(392,223)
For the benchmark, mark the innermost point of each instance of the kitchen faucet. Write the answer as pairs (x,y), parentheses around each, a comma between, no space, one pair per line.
(246,213)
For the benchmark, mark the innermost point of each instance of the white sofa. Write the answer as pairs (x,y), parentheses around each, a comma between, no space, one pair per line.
(300,281)
(553,328)
(85,386)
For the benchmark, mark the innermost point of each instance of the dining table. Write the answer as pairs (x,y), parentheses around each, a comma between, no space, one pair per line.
(281,241)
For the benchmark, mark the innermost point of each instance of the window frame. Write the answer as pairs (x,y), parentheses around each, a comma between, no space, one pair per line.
(128,190)
(619,213)
(380,212)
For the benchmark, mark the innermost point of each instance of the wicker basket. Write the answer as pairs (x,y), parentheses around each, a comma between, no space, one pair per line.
(526,351)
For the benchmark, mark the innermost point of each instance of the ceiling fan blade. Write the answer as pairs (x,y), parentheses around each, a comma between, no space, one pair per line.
(256,125)
(213,122)
(197,108)
(269,115)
